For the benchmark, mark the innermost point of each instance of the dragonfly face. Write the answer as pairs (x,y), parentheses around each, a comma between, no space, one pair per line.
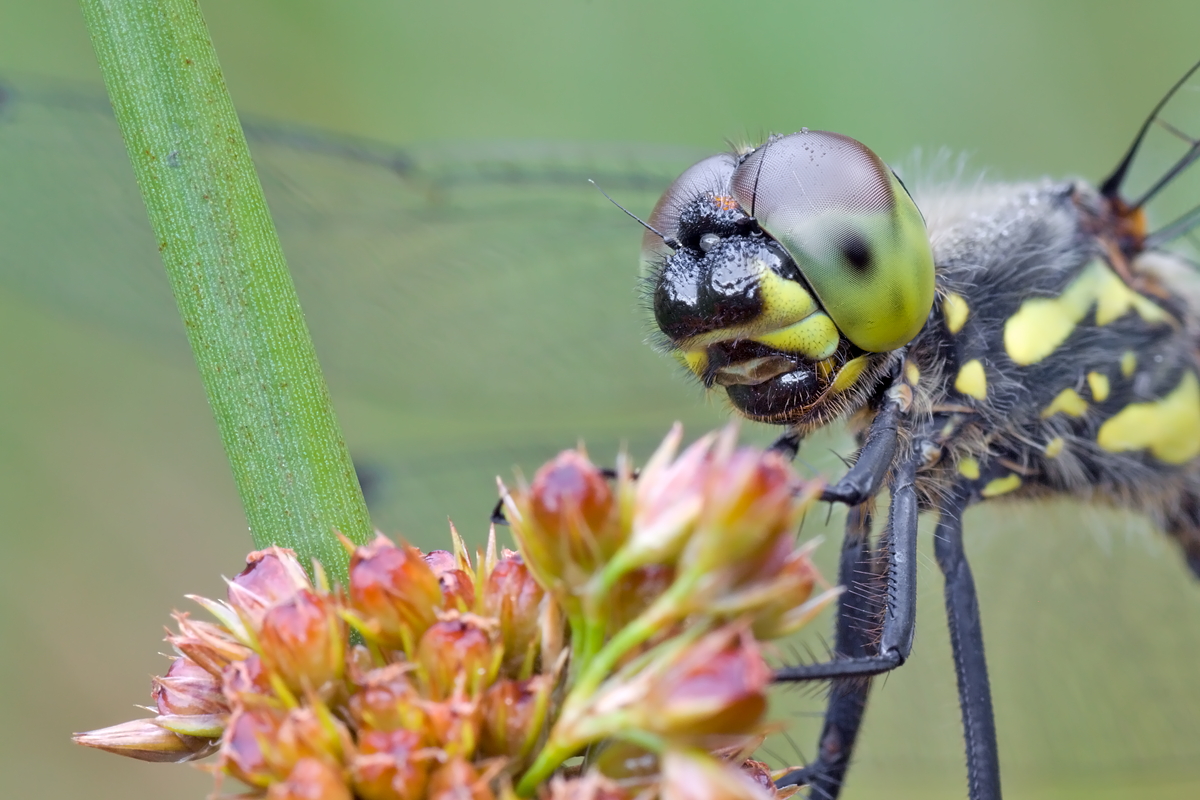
(787,273)
(1059,357)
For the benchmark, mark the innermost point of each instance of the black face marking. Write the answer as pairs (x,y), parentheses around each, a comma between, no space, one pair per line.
(857,252)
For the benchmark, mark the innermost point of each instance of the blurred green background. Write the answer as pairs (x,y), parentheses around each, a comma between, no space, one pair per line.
(114,495)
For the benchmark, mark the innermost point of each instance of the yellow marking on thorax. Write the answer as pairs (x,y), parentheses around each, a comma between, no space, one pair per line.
(1000,486)
(1041,324)
(912,373)
(814,336)
(955,310)
(1168,427)
(1068,402)
(1128,363)
(969,468)
(1098,383)
(972,380)
(1054,447)
(850,373)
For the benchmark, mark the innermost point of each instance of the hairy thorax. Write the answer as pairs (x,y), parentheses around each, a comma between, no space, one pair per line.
(1053,359)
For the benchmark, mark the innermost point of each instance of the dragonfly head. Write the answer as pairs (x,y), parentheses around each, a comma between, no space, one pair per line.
(783,273)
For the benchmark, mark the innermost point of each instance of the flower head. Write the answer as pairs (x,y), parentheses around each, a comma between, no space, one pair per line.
(628,624)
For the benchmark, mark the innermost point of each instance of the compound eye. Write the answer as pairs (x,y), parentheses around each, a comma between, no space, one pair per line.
(707,177)
(851,228)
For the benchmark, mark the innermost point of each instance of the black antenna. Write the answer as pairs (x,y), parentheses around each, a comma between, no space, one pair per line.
(667,240)
(1112,184)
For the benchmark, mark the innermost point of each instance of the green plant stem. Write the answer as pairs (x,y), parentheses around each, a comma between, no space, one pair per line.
(665,610)
(239,307)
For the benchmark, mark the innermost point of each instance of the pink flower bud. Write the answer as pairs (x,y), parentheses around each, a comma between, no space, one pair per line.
(693,775)
(387,700)
(567,521)
(458,590)
(670,494)
(454,724)
(306,732)
(244,680)
(458,649)
(395,590)
(513,597)
(303,641)
(441,561)
(635,592)
(750,501)
(458,780)
(271,576)
(145,740)
(208,645)
(188,690)
(262,744)
(716,685)
(789,607)
(570,492)
(514,713)
(311,779)
(388,766)
(250,730)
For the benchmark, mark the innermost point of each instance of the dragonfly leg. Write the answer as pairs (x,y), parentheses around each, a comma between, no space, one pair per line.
(855,635)
(899,616)
(862,481)
(966,639)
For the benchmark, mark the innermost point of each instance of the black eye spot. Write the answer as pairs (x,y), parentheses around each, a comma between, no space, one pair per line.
(857,252)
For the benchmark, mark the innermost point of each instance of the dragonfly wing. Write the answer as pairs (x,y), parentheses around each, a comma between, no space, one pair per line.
(1159,170)
(478,298)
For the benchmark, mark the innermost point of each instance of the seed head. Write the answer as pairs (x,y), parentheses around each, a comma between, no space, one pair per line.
(628,625)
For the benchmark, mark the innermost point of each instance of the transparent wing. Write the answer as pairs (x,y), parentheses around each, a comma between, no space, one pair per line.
(442,258)
(475,293)
(1158,172)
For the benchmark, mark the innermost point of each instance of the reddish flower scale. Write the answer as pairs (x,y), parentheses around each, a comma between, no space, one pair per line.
(476,679)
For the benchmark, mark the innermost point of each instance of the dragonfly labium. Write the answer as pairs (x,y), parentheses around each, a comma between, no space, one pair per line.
(986,341)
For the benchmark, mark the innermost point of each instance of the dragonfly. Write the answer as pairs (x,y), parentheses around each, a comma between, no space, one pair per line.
(1014,341)
(495,273)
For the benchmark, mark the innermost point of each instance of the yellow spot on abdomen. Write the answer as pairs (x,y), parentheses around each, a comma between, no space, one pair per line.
(1168,427)
(1098,383)
(1001,485)
(1068,402)
(1054,447)
(955,310)
(972,380)
(1041,324)
(850,373)
(969,468)
(1128,363)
